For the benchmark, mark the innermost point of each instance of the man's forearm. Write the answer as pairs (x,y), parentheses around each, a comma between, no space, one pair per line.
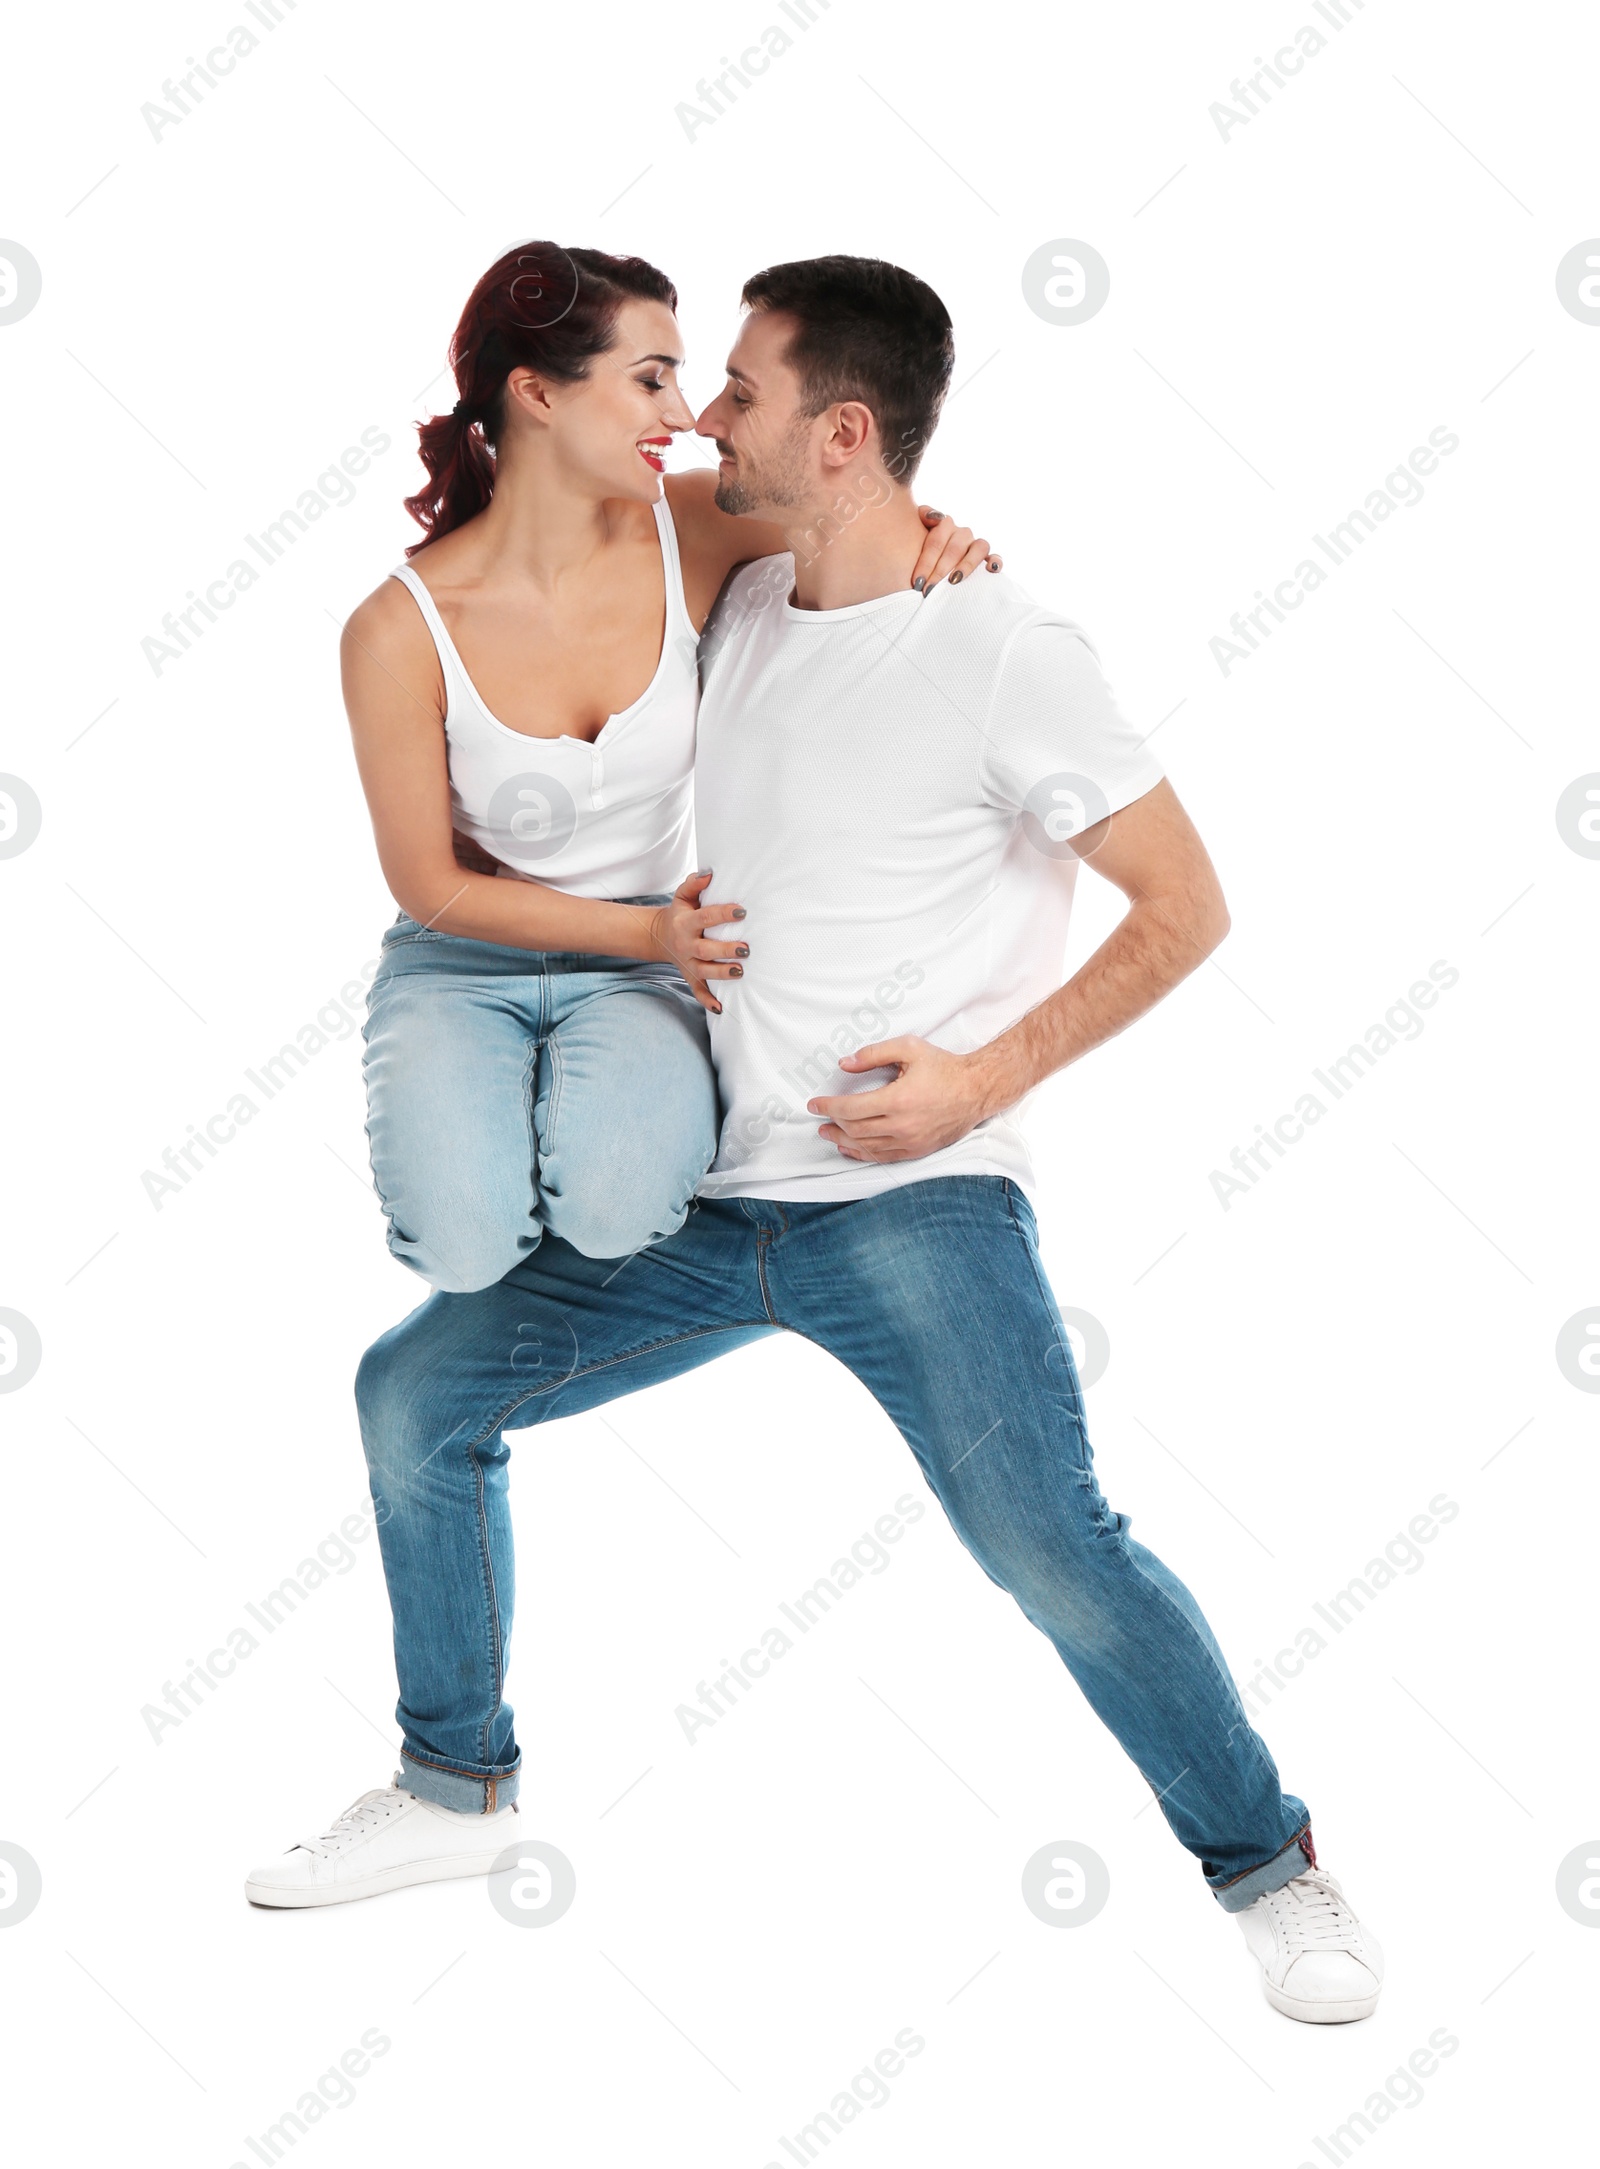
(1156,946)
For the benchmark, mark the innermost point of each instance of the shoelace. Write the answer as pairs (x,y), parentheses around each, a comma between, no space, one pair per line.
(1313,1913)
(361,1816)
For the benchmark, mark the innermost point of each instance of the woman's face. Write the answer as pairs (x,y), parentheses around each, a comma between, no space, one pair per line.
(611,430)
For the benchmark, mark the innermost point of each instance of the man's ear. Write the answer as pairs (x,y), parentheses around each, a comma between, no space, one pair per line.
(850,435)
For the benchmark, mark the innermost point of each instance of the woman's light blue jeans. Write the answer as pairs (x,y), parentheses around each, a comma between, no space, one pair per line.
(513,1093)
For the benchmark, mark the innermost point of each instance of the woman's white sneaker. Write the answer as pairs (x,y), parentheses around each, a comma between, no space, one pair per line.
(384,1841)
(1317,1962)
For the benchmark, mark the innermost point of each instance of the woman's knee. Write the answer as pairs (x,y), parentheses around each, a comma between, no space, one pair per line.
(626,1120)
(604,1219)
(453,1169)
(458,1235)
(467,1260)
(621,1192)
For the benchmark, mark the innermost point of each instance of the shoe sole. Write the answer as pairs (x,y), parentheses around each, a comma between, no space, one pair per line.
(371,1886)
(1321,2014)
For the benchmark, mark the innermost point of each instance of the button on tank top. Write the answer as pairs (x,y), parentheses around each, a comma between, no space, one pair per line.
(607,819)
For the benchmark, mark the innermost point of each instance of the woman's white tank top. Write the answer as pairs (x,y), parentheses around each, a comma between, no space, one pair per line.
(610,819)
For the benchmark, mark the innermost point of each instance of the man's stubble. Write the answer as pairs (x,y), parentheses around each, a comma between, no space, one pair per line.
(781,486)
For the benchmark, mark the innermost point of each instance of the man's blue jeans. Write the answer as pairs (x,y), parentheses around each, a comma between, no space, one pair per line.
(934,1296)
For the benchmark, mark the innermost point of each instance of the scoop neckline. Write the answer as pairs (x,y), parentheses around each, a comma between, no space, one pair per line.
(670,574)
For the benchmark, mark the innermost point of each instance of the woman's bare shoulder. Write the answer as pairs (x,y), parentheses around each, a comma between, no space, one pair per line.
(387,653)
(388,621)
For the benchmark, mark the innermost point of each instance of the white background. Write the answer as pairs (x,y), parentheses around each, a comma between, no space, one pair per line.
(1374,1323)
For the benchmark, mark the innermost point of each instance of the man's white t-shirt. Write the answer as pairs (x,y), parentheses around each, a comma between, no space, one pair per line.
(888,790)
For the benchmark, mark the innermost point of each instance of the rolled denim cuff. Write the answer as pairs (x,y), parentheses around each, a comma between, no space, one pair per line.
(1242,1891)
(468,1792)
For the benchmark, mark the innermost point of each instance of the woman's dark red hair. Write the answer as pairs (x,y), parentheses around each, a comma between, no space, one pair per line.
(540,307)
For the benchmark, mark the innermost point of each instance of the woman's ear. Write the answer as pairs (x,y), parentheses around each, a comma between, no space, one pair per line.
(528,391)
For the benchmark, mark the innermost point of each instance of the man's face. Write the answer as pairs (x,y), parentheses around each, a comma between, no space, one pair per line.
(768,445)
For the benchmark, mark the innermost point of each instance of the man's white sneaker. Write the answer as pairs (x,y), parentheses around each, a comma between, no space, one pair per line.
(1317,1961)
(385,1841)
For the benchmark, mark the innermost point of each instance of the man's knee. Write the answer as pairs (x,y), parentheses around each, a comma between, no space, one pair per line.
(399,1384)
(1068,1569)
(379,1391)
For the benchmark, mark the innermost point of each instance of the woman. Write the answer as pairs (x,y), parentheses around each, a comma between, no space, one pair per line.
(522,696)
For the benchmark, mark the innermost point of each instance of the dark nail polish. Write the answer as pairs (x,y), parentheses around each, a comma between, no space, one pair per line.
(920,582)
(736,971)
(741,913)
(956,578)
(743,949)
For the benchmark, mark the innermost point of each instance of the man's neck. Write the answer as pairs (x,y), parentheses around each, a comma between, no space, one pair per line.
(837,565)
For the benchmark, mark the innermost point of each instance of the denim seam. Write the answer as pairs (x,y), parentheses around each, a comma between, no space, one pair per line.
(763,1238)
(667,1340)
(530,1113)
(496,1647)
(1048,1296)
(551,1051)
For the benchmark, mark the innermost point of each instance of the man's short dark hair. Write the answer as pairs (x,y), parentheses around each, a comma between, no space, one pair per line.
(867,331)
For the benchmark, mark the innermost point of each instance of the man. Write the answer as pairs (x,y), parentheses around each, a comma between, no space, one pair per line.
(899,787)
